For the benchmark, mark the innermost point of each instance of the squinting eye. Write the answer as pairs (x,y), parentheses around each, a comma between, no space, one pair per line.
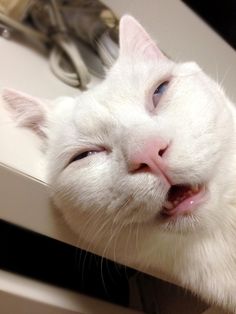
(83,155)
(159,92)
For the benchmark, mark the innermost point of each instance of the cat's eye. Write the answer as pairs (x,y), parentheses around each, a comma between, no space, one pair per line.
(159,91)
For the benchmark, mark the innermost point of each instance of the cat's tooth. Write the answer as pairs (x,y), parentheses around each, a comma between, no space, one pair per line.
(176,203)
(195,188)
(168,205)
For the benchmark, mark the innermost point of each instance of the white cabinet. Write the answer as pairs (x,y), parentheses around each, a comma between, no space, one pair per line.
(20,295)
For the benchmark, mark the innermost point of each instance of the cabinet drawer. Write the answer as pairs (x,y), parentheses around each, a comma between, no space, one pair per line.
(21,295)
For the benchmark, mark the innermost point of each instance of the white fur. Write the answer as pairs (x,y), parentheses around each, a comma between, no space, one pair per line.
(117,211)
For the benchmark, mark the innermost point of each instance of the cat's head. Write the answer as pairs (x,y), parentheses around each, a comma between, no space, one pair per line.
(150,145)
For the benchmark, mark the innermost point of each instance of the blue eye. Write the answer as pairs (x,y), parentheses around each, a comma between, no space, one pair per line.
(161,88)
(159,92)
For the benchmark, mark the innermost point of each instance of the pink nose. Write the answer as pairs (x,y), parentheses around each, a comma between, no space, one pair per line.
(150,157)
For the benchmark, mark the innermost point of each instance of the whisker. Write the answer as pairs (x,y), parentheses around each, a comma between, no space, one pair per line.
(221,82)
(83,254)
(137,238)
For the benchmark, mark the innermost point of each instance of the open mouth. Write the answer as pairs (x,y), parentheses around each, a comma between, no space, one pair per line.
(183,199)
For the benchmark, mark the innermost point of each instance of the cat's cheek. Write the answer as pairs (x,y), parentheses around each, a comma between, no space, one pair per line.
(107,195)
(75,208)
(82,189)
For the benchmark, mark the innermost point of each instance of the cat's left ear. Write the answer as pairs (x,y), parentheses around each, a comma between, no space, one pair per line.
(27,111)
(135,41)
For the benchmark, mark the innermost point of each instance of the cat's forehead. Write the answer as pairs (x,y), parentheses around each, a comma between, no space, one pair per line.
(135,80)
(126,88)
(94,117)
(127,76)
(120,100)
(96,113)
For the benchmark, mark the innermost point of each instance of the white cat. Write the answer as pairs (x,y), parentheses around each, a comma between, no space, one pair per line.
(143,166)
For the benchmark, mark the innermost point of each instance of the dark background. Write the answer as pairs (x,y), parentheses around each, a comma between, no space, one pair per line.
(220,15)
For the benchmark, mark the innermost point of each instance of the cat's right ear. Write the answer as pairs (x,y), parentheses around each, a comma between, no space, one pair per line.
(135,41)
(27,111)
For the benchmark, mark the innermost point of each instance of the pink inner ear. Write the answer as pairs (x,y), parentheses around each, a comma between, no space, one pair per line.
(26,110)
(135,41)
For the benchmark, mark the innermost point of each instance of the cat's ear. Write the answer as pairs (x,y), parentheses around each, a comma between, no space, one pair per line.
(135,41)
(27,111)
